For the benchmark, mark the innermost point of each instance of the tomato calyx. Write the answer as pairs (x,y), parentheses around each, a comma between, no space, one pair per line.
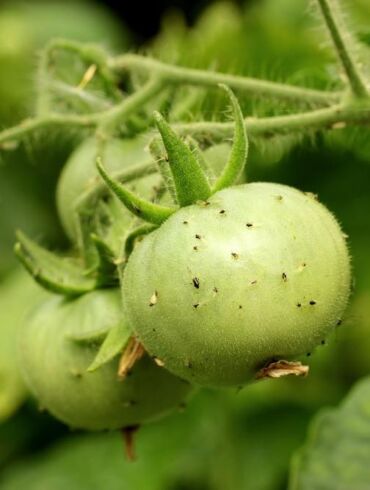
(65,274)
(183,170)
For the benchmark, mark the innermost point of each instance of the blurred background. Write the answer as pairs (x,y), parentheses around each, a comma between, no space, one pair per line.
(223,440)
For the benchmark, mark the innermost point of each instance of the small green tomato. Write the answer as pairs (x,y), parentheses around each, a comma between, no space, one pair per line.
(55,365)
(79,175)
(236,280)
(259,273)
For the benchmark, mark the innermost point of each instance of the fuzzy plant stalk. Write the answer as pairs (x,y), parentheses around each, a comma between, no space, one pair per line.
(327,110)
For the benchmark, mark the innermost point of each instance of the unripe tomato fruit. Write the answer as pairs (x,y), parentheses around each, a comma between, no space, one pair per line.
(54,366)
(79,175)
(260,272)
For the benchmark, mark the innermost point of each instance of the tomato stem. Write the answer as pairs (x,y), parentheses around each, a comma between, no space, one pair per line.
(176,75)
(343,43)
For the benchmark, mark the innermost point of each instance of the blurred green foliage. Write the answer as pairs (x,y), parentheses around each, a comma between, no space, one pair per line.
(29,172)
(337,452)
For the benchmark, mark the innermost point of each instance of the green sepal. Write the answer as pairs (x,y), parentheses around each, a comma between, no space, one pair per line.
(158,153)
(190,181)
(113,344)
(106,270)
(134,235)
(239,149)
(148,211)
(194,147)
(85,224)
(57,274)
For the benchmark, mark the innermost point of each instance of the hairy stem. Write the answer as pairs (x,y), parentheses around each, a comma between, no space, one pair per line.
(115,116)
(106,120)
(342,42)
(188,76)
(29,125)
(337,116)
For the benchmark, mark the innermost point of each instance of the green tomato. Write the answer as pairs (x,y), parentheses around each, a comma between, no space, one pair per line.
(54,365)
(80,175)
(260,273)
(18,293)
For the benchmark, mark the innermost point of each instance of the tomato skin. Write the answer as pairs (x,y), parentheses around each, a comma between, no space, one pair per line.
(54,367)
(260,273)
(79,174)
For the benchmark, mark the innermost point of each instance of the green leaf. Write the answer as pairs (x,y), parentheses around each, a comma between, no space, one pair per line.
(239,151)
(190,181)
(138,232)
(336,455)
(148,211)
(113,344)
(57,274)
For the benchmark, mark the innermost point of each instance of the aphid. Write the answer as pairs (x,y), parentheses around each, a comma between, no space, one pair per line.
(196,282)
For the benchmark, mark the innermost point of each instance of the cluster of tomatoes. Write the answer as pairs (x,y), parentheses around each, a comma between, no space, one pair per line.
(227,290)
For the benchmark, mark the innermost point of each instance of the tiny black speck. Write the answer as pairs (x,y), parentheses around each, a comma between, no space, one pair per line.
(248,225)
(185,222)
(299,305)
(284,276)
(195,248)
(198,237)
(222,211)
(196,282)
(312,302)
(196,305)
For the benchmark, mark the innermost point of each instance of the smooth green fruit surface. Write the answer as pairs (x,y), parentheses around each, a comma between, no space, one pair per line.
(54,366)
(260,272)
(80,175)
